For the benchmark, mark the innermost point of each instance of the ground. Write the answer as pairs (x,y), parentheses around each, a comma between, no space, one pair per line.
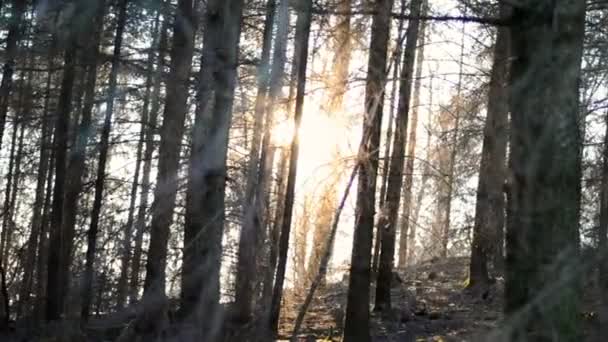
(429,304)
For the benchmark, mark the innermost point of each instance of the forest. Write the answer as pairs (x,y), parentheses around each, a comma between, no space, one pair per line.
(303,170)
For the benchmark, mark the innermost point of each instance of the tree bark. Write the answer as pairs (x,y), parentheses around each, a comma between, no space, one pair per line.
(151,129)
(37,207)
(544,192)
(172,130)
(125,261)
(357,308)
(388,222)
(76,165)
(11,52)
(252,213)
(104,146)
(55,282)
(205,197)
(489,206)
(303,22)
(411,146)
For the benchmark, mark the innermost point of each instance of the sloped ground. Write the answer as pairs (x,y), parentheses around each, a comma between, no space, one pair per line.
(429,304)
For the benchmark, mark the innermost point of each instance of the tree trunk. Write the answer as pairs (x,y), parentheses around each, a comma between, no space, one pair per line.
(451,162)
(388,221)
(205,202)
(304,11)
(172,130)
(253,210)
(125,261)
(544,195)
(76,165)
(389,134)
(56,284)
(357,309)
(37,207)
(489,206)
(411,146)
(104,146)
(151,130)
(43,244)
(11,53)
(602,232)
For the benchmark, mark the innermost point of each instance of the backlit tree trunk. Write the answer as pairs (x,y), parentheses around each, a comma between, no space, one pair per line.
(388,221)
(357,309)
(489,209)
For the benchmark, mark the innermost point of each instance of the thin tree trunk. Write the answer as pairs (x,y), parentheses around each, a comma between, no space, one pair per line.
(76,165)
(125,261)
(388,221)
(357,309)
(451,176)
(11,53)
(247,255)
(43,244)
(37,207)
(389,134)
(172,130)
(303,22)
(55,282)
(411,144)
(602,231)
(543,207)
(104,146)
(489,208)
(151,129)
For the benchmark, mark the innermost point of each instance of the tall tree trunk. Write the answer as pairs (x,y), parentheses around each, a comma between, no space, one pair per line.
(151,129)
(7,222)
(12,40)
(388,221)
(544,195)
(125,261)
(37,207)
(396,59)
(55,282)
(357,309)
(489,206)
(303,22)
(43,244)
(76,165)
(602,231)
(275,233)
(172,130)
(411,145)
(104,146)
(451,162)
(245,277)
(205,199)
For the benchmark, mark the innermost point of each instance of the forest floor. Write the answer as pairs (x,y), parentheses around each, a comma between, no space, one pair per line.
(429,304)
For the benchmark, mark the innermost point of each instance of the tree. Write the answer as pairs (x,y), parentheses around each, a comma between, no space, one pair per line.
(12,40)
(104,146)
(151,130)
(489,206)
(407,228)
(172,129)
(357,309)
(388,221)
(545,170)
(59,238)
(205,199)
(303,23)
(125,260)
